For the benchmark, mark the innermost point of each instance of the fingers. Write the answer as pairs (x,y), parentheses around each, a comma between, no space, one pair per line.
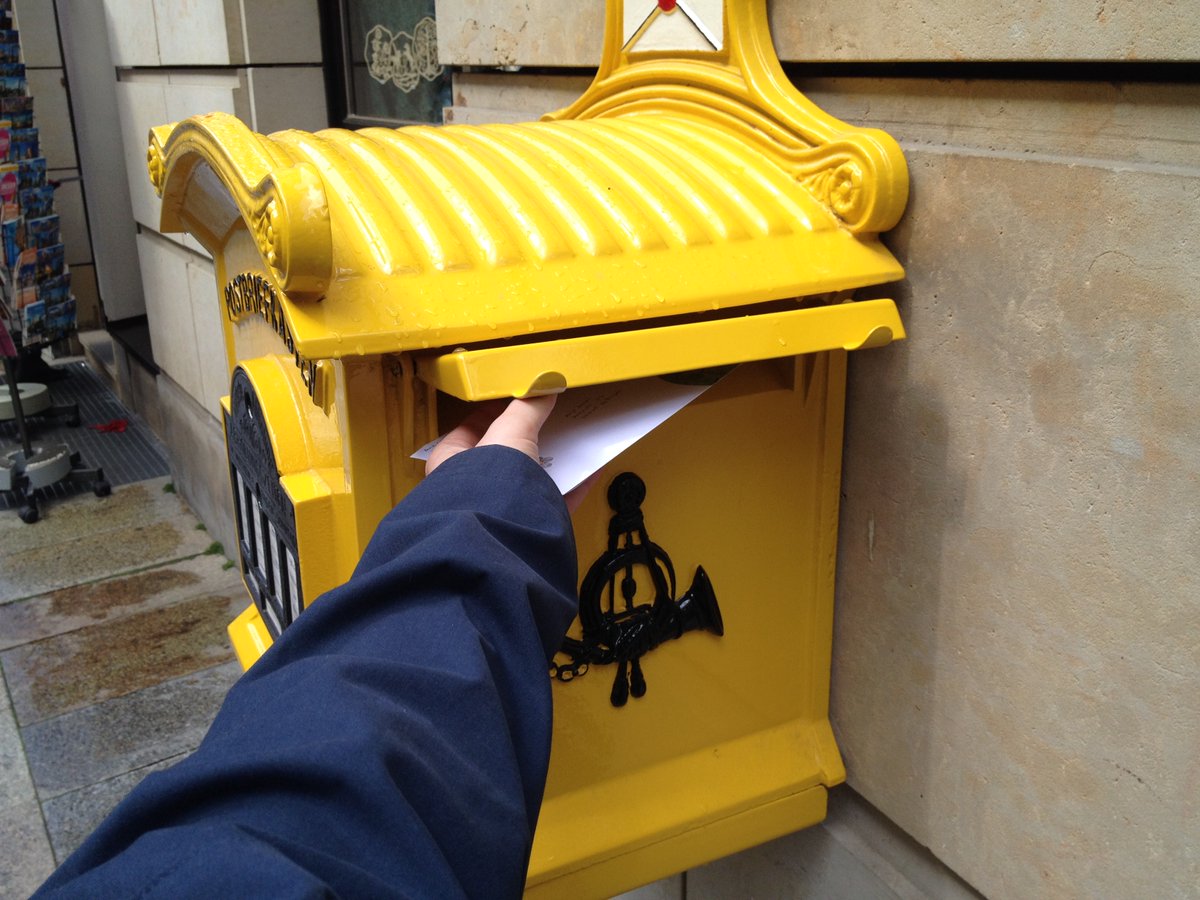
(465,436)
(518,426)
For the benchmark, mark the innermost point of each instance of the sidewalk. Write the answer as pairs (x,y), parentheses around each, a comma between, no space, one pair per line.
(114,659)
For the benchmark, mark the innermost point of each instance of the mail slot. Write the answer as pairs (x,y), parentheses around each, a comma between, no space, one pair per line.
(691,210)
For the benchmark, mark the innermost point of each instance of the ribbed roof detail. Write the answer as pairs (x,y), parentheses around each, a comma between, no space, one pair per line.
(673,186)
(461,196)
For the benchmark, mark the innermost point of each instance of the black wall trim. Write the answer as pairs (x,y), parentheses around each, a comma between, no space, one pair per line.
(333,52)
(133,334)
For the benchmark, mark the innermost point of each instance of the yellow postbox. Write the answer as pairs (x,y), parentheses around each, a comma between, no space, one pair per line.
(691,210)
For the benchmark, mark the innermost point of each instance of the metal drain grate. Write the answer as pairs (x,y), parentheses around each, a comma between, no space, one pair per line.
(132,455)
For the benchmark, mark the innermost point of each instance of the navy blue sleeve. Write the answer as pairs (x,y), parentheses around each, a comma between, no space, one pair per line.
(394,741)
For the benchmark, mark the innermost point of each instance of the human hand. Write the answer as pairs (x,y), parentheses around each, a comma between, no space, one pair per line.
(517,426)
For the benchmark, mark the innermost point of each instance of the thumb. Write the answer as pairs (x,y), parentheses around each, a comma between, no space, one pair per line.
(518,426)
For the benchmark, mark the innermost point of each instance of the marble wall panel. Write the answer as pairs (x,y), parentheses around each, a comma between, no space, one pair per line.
(1015,658)
(164,267)
(545,33)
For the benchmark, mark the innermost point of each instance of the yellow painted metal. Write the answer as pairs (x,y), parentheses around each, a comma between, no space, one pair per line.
(547,367)
(684,851)
(691,209)
(745,483)
(674,185)
(249,636)
(309,454)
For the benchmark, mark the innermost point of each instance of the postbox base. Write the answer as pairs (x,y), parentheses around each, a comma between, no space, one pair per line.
(685,850)
(249,635)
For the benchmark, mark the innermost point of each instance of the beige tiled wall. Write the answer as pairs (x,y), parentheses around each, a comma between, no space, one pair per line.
(213,32)
(86,291)
(39,33)
(183,313)
(194,32)
(1014,663)
(131,32)
(549,33)
(287,97)
(178,58)
(53,116)
(68,201)
(984,30)
(481,97)
(141,106)
(164,265)
(281,31)
(210,348)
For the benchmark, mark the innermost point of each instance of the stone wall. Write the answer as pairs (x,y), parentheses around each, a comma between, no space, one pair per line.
(1014,653)
(173,59)
(544,33)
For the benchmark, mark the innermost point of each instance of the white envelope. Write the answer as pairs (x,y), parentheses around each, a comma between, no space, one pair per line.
(591,426)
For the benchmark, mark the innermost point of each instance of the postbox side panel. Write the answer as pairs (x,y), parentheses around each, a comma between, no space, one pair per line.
(744,483)
(313,453)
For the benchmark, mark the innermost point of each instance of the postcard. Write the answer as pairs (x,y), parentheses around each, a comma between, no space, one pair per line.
(42,232)
(12,235)
(49,261)
(31,172)
(24,144)
(37,202)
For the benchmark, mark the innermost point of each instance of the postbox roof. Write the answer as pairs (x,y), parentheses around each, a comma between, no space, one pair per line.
(674,186)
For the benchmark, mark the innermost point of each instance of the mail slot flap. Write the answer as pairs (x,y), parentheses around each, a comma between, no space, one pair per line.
(551,366)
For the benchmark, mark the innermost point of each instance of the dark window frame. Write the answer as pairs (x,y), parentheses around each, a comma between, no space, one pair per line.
(339,79)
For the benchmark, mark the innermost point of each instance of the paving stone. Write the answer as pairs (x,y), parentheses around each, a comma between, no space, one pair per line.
(15,783)
(75,560)
(100,742)
(26,859)
(85,515)
(665,889)
(71,608)
(70,818)
(809,863)
(75,670)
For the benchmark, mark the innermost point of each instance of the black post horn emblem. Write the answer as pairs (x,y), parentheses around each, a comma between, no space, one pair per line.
(623,633)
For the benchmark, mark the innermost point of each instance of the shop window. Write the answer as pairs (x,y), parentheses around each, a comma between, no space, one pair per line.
(382,63)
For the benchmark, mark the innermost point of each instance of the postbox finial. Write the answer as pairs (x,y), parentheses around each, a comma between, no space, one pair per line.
(713,60)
